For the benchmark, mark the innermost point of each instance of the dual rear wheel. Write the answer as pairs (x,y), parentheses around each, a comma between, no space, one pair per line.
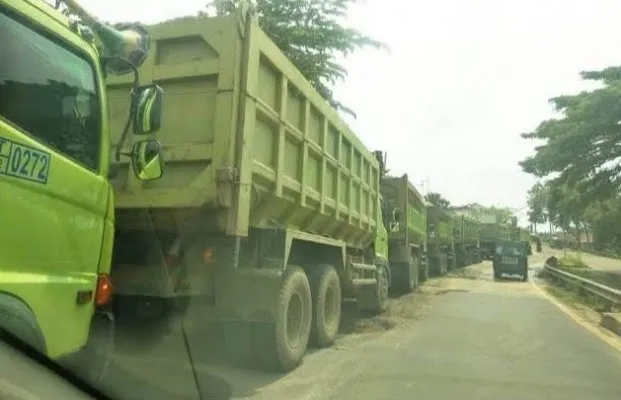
(309,311)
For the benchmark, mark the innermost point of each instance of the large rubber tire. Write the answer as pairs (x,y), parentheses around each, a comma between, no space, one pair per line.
(497,276)
(326,295)
(137,332)
(374,299)
(287,345)
(423,273)
(443,264)
(525,276)
(410,281)
(17,319)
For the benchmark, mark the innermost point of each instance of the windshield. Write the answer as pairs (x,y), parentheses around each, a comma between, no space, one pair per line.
(510,250)
(49,92)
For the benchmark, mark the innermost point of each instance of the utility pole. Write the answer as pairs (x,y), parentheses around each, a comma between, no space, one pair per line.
(425,186)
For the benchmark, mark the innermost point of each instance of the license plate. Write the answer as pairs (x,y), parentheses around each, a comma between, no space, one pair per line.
(509,260)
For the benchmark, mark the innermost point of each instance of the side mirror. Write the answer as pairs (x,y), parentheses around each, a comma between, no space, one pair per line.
(396,214)
(147,161)
(126,46)
(147,114)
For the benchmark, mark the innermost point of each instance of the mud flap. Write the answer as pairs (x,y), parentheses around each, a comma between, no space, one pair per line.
(246,302)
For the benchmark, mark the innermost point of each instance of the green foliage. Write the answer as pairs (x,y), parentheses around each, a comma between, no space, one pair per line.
(583,146)
(310,33)
(503,214)
(572,261)
(537,204)
(581,158)
(436,199)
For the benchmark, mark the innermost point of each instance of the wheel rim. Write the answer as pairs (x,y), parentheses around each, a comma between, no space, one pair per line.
(294,320)
(330,308)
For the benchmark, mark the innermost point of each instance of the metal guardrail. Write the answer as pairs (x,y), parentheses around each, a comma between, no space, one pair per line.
(610,295)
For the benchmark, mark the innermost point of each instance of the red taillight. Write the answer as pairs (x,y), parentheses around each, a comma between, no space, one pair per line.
(103,293)
(207,256)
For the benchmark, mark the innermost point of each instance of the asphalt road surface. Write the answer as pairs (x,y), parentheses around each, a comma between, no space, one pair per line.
(460,337)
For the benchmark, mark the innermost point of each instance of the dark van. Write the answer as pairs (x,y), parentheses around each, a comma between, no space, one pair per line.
(510,258)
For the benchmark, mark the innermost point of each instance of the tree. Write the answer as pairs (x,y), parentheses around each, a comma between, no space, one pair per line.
(583,147)
(581,153)
(537,201)
(502,214)
(436,199)
(310,33)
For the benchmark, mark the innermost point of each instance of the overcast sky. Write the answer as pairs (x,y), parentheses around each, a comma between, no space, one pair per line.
(463,79)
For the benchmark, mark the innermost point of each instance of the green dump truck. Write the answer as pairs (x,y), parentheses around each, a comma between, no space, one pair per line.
(405,218)
(440,245)
(58,220)
(522,235)
(466,239)
(269,211)
(489,234)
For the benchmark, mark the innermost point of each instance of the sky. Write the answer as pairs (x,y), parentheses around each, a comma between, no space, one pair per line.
(462,80)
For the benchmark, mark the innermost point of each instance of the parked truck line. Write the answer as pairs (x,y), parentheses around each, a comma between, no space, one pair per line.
(271,211)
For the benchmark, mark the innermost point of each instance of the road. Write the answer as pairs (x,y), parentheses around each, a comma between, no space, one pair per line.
(460,337)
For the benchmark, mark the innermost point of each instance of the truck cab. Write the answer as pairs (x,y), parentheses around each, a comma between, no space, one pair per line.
(58,205)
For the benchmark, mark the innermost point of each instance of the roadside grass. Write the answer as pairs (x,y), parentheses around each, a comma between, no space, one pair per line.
(571,293)
(572,261)
(610,279)
(574,264)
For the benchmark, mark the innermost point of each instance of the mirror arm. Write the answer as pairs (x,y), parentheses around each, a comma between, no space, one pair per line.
(132,106)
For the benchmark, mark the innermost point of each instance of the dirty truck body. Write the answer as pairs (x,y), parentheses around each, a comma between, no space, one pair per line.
(522,235)
(489,235)
(440,246)
(268,212)
(405,218)
(466,239)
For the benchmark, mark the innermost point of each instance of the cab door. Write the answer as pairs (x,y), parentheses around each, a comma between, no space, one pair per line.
(52,195)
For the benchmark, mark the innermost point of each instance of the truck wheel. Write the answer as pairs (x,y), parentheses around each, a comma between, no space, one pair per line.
(326,296)
(141,323)
(525,276)
(293,322)
(374,298)
(423,273)
(381,297)
(410,281)
(17,319)
(443,264)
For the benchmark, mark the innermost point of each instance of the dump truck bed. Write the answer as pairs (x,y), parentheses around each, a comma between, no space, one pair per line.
(494,232)
(245,137)
(400,193)
(439,222)
(465,230)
